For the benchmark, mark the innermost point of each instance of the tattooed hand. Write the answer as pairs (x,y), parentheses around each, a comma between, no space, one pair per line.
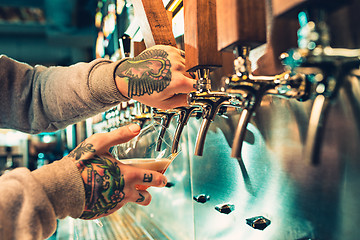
(108,183)
(156,77)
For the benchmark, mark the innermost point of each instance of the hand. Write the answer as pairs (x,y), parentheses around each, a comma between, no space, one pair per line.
(156,77)
(109,184)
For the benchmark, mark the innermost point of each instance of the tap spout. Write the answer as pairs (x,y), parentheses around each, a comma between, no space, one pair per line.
(315,132)
(211,103)
(166,118)
(184,114)
(200,140)
(240,133)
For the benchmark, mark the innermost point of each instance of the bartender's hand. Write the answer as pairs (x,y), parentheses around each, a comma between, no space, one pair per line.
(108,183)
(156,77)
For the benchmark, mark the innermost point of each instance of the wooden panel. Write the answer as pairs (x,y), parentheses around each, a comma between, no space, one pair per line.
(139,47)
(282,6)
(240,22)
(154,22)
(200,36)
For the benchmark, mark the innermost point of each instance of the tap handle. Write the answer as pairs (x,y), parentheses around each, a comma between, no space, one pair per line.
(125,45)
(165,122)
(316,127)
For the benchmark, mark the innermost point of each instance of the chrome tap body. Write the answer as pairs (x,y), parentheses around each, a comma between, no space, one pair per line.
(326,69)
(210,103)
(247,91)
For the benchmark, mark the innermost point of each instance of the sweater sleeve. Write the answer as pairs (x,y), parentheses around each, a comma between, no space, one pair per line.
(38,99)
(30,202)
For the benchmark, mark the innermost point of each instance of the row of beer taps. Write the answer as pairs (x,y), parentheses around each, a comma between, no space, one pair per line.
(314,70)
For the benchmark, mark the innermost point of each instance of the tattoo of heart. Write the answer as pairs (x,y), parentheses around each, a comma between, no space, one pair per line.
(148,177)
(104,185)
(146,73)
(80,150)
(141,198)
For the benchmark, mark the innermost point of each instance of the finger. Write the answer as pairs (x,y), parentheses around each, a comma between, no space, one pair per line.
(137,176)
(118,136)
(123,134)
(143,198)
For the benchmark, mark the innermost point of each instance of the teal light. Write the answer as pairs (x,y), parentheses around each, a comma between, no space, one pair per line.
(302,19)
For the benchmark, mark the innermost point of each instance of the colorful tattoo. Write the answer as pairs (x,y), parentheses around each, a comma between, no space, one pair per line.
(103,181)
(146,73)
(141,198)
(148,177)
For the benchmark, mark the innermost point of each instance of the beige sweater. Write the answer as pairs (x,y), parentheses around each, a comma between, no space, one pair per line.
(36,99)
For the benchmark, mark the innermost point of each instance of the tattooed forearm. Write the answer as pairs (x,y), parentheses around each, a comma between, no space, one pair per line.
(146,73)
(104,184)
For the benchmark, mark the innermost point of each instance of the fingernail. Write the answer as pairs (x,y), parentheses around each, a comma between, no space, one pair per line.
(134,128)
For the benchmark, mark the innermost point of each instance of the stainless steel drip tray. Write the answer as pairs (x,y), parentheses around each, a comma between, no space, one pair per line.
(126,224)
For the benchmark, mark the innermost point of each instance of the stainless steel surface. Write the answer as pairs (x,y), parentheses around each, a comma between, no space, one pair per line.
(274,180)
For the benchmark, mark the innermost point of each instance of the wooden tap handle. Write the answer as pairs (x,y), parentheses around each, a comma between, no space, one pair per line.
(154,22)
(240,23)
(200,36)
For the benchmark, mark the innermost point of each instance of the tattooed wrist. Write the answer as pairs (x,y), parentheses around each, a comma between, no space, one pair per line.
(103,182)
(146,73)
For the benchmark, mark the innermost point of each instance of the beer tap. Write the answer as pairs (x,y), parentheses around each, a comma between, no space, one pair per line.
(326,67)
(248,90)
(210,102)
(202,57)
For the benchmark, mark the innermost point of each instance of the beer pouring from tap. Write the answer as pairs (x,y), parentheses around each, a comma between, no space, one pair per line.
(165,118)
(155,25)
